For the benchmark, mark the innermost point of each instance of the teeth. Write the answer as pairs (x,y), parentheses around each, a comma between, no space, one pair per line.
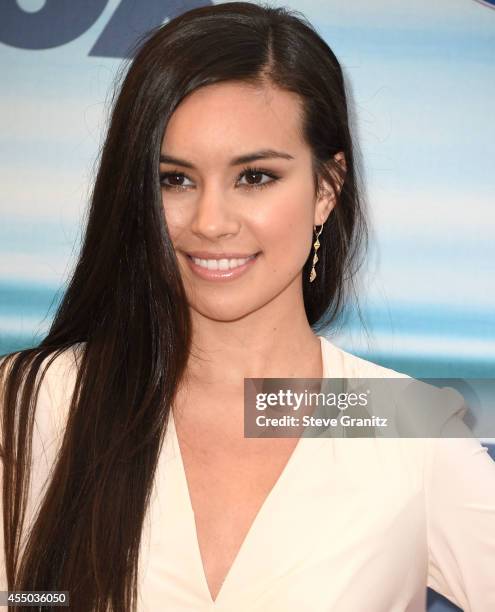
(220,264)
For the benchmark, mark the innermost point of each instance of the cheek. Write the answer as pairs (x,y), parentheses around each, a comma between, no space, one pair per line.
(175,219)
(288,228)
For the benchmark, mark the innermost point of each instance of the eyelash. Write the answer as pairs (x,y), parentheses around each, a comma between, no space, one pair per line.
(248,170)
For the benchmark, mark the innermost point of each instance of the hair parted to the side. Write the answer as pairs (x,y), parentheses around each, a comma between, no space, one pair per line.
(125,314)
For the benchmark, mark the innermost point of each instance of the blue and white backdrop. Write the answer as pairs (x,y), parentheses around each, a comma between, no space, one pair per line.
(422,81)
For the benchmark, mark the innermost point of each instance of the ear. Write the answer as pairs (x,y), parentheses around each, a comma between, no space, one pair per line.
(327,198)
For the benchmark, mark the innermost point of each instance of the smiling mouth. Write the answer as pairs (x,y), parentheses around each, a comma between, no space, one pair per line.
(221,264)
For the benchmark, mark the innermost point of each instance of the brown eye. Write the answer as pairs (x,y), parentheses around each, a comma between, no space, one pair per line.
(254,177)
(173,180)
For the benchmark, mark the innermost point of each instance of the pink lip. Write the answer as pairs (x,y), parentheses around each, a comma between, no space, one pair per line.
(211,255)
(220,274)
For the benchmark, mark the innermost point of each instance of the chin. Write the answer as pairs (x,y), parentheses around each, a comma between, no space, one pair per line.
(224,313)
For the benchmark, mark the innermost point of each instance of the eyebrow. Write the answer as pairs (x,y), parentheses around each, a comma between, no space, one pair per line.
(241,159)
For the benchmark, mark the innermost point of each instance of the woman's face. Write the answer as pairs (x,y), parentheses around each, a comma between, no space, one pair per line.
(218,207)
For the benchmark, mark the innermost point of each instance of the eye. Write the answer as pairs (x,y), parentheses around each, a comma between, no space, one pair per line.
(254,177)
(173,180)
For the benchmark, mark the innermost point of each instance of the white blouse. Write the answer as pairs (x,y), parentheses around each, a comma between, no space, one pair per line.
(351,524)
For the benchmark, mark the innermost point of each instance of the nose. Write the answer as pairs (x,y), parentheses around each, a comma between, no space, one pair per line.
(213,217)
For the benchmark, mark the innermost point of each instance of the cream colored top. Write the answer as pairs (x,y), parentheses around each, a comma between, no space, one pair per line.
(351,524)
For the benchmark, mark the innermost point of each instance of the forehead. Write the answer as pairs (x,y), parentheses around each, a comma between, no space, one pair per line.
(230,116)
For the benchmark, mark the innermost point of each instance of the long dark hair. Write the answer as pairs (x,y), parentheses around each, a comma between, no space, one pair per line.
(124,316)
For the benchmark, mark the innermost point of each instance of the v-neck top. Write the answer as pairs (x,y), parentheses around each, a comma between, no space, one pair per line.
(351,523)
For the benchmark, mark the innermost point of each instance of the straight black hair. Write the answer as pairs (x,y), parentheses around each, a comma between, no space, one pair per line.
(124,319)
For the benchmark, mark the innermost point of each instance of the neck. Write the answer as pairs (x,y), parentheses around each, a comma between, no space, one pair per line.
(267,343)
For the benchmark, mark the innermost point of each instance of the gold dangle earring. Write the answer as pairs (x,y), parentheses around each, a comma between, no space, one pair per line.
(316,245)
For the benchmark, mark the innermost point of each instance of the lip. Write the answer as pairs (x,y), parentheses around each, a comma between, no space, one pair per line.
(221,275)
(209,255)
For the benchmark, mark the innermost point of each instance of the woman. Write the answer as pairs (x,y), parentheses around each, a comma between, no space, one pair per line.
(227,167)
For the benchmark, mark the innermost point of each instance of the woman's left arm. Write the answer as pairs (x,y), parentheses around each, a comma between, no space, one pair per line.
(460,515)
